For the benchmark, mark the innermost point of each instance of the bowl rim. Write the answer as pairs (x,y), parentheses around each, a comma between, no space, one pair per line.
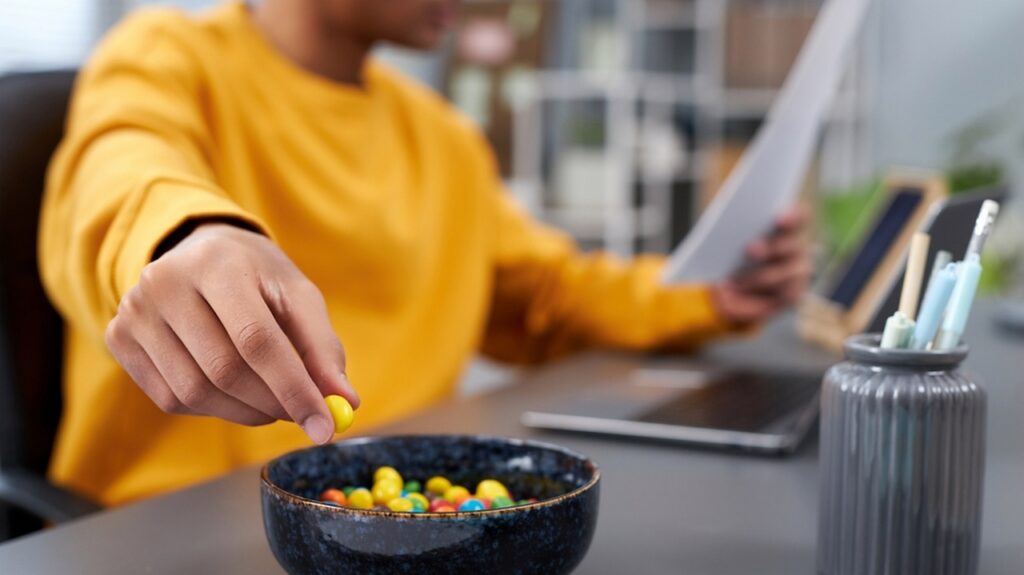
(265,479)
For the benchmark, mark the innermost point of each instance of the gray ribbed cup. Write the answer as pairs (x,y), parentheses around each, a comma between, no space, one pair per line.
(902,463)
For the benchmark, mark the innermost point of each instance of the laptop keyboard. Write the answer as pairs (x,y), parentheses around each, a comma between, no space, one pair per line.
(742,401)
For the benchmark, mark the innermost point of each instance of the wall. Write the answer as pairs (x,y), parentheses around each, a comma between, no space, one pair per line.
(940,65)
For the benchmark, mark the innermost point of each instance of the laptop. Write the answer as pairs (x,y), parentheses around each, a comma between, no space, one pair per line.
(755,410)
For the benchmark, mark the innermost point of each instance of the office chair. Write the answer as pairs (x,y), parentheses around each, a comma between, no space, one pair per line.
(32,111)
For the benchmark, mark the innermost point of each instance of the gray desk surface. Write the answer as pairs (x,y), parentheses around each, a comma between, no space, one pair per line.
(664,509)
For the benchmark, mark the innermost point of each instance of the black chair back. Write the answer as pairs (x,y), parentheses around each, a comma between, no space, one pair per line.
(33,107)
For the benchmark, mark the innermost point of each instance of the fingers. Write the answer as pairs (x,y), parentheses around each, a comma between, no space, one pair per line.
(774,276)
(302,314)
(742,307)
(784,241)
(260,341)
(136,362)
(793,220)
(186,380)
(204,337)
(776,248)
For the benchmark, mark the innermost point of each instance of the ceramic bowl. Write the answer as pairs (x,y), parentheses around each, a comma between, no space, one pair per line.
(548,537)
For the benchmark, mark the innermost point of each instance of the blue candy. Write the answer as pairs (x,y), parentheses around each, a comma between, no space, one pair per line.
(472,505)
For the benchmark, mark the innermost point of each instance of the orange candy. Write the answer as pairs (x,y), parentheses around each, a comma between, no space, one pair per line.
(456,494)
(334,496)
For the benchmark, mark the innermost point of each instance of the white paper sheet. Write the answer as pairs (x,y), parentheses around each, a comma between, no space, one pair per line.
(768,176)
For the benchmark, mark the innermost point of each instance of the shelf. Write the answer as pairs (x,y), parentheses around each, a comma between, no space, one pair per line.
(589,224)
(698,95)
(679,17)
(754,103)
(650,86)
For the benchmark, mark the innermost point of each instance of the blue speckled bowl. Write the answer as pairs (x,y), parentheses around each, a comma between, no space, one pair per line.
(548,537)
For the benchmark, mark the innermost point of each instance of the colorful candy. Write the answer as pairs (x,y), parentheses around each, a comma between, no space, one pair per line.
(400,504)
(472,505)
(385,490)
(341,411)
(438,485)
(490,488)
(386,473)
(438,495)
(334,496)
(456,494)
(360,498)
(420,500)
(501,501)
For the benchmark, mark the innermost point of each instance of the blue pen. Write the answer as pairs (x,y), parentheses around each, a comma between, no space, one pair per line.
(935,299)
(960,302)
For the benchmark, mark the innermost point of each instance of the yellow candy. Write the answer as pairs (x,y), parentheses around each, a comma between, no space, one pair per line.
(341,411)
(490,489)
(387,473)
(400,504)
(419,497)
(438,485)
(455,494)
(385,491)
(360,498)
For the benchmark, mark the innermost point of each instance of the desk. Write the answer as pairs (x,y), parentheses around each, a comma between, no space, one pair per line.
(664,509)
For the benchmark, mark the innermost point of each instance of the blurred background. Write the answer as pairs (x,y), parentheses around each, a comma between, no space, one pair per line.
(618,120)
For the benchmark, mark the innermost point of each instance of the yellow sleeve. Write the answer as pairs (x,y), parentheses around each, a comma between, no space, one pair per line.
(550,299)
(131,169)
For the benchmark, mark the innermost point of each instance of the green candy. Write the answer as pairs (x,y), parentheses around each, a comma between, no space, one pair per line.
(523,502)
(413,487)
(501,501)
(348,490)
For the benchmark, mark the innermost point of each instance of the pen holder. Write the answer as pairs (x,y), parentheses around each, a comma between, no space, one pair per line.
(902,463)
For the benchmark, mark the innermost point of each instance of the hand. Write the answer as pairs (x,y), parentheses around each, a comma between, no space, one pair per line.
(224,324)
(777,274)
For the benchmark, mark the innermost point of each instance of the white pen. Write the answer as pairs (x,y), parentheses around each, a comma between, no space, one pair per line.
(982,227)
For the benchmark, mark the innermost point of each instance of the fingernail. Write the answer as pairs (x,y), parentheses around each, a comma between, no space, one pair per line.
(318,428)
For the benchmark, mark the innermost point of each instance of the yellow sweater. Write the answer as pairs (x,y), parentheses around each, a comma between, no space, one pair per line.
(384,196)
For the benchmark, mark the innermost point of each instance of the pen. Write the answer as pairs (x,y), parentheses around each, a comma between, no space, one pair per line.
(898,331)
(942,257)
(960,302)
(935,299)
(968,275)
(982,227)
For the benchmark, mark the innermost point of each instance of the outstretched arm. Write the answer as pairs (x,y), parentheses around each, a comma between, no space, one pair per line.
(217,321)
(550,299)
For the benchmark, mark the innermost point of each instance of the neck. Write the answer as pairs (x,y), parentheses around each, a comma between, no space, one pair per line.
(295,29)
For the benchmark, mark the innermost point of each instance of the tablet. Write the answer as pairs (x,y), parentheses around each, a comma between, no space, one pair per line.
(753,410)
(851,290)
(950,225)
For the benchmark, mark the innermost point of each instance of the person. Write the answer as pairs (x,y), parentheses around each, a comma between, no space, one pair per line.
(236,190)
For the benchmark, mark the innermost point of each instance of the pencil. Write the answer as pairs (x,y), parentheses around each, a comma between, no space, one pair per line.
(915,271)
